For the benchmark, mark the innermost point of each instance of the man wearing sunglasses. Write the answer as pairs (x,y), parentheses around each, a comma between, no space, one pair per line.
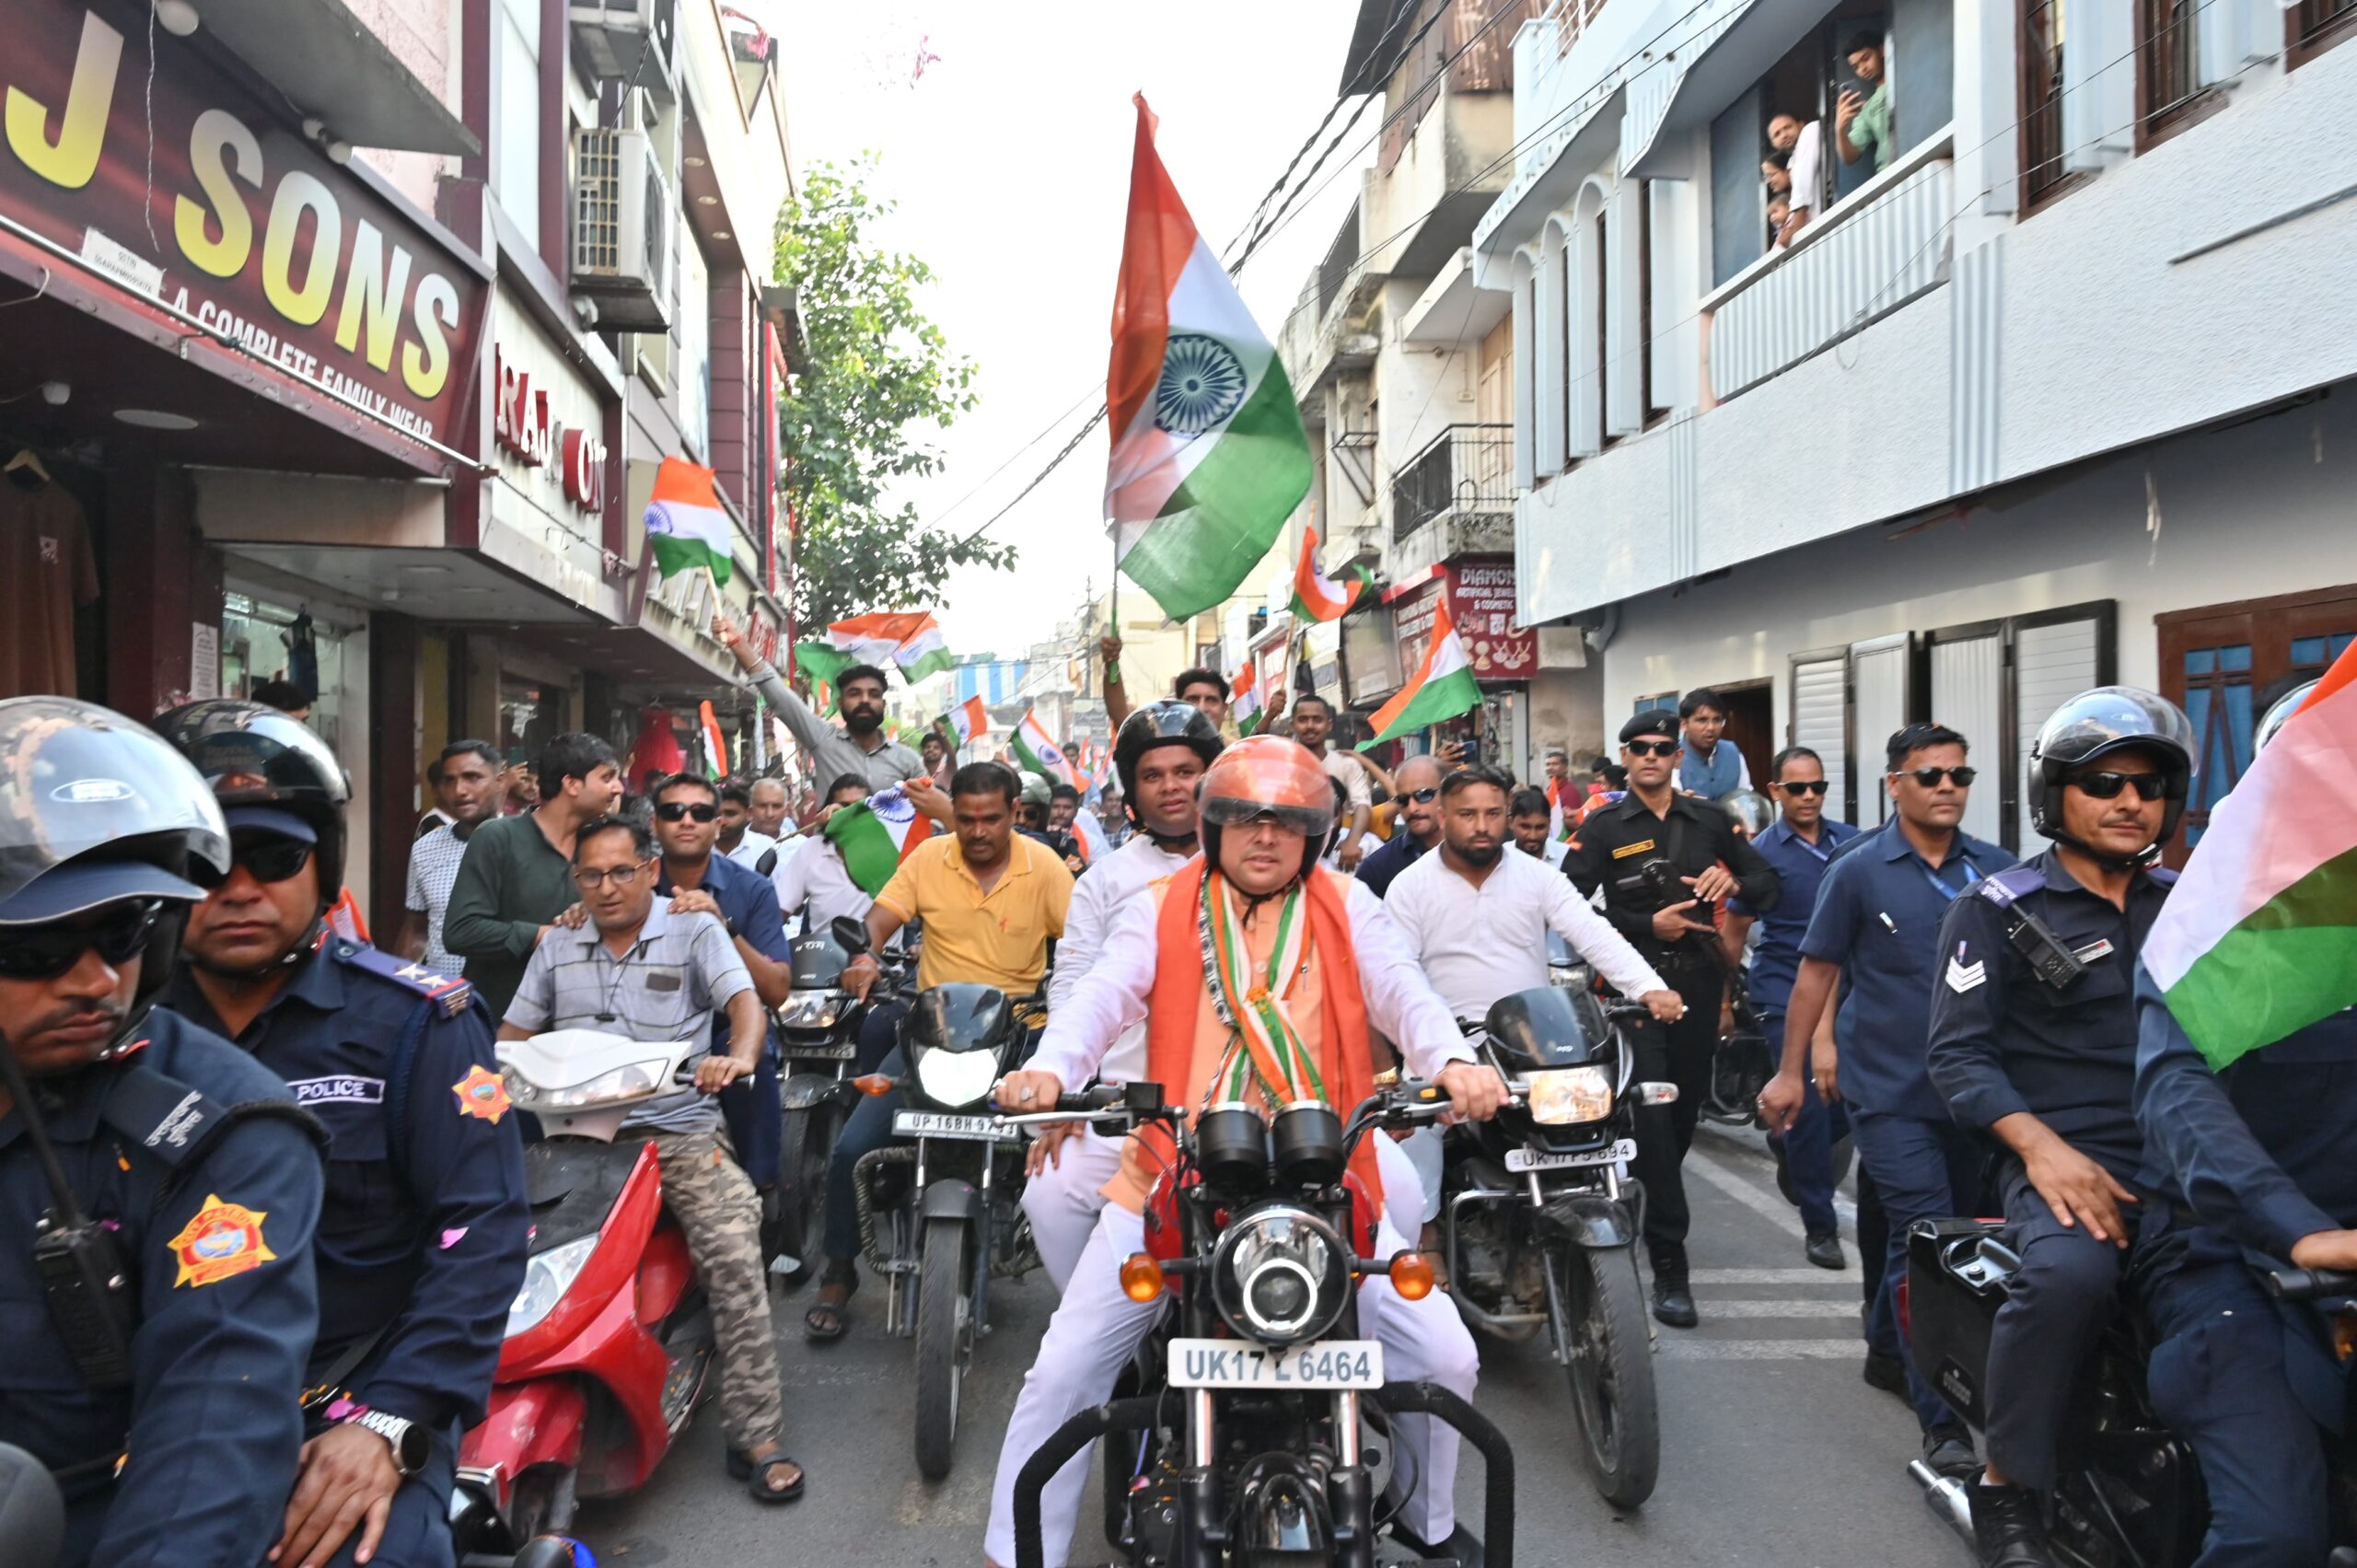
(1416,791)
(421,1242)
(1664,860)
(189,1174)
(2032,1041)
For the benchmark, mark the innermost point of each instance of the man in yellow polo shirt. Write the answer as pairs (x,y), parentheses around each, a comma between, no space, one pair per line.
(989,900)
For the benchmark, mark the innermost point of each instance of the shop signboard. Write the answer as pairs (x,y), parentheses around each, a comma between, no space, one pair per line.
(1481,602)
(228,213)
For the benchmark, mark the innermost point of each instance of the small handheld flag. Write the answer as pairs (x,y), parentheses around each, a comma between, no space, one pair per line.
(685,526)
(1442,686)
(1316,596)
(875,835)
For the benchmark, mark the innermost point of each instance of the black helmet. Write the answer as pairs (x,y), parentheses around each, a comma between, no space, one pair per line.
(95,809)
(265,767)
(1167,723)
(2095,724)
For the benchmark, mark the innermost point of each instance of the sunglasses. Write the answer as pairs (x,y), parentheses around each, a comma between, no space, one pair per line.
(677,810)
(1803,787)
(1652,748)
(269,859)
(1421,797)
(589,881)
(2106,786)
(46,952)
(1930,777)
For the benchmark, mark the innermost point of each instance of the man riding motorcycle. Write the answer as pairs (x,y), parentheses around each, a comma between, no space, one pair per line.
(1161,753)
(1260,975)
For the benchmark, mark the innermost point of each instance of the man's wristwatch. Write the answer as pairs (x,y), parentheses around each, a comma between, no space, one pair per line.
(407,1438)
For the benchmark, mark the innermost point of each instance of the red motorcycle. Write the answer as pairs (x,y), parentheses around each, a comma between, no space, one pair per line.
(610,1340)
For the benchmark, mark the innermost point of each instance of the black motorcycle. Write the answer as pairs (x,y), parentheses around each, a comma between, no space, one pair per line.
(818,1029)
(1537,1218)
(1244,1442)
(940,1212)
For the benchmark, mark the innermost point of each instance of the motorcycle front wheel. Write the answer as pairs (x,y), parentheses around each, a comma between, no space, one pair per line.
(1611,1372)
(807,1147)
(944,1319)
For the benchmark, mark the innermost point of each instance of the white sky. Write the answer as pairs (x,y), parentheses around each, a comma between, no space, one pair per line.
(1010,159)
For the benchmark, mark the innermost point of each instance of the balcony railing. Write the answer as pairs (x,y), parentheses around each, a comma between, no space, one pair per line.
(1466,470)
(1875,249)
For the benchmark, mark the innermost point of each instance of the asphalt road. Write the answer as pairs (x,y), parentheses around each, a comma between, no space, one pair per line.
(1775,1454)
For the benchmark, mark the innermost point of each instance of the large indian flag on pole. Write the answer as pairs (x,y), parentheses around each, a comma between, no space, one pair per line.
(684,523)
(1316,596)
(1038,751)
(2259,936)
(875,835)
(1442,686)
(1208,457)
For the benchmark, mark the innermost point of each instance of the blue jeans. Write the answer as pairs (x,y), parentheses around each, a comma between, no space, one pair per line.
(1808,1147)
(1924,1171)
(870,1127)
(756,1119)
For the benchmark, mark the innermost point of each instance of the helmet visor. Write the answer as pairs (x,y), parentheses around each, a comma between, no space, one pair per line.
(74,778)
(1229,811)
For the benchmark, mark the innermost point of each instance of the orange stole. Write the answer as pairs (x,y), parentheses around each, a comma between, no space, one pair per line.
(1341,1034)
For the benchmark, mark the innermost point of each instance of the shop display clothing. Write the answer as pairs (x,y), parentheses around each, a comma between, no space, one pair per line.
(45,556)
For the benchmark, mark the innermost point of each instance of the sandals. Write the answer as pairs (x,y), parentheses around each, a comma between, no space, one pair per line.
(756,1475)
(828,1321)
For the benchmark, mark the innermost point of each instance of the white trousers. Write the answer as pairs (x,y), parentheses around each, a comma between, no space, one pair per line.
(1097,1329)
(1062,1200)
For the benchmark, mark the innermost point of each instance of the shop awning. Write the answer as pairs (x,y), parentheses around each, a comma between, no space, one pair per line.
(319,54)
(1576,150)
(1735,43)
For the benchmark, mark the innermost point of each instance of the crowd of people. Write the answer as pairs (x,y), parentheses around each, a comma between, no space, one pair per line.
(298,1150)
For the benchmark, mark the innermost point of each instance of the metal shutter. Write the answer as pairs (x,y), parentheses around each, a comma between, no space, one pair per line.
(1820,722)
(1967,695)
(2051,665)
(1878,671)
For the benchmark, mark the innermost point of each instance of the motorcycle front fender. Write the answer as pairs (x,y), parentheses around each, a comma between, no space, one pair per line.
(952,1199)
(808,1091)
(1587,1219)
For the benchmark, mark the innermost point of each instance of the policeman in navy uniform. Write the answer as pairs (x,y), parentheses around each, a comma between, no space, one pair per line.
(422,1243)
(165,1406)
(2033,1040)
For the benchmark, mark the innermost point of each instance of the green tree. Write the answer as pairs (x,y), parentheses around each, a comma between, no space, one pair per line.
(882,381)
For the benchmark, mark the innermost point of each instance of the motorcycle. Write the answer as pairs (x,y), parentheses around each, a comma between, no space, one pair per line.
(611,1341)
(819,1032)
(940,1215)
(1538,1217)
(1243,1443)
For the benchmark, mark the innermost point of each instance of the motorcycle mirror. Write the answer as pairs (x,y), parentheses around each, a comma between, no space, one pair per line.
(850,934)
(32,1512)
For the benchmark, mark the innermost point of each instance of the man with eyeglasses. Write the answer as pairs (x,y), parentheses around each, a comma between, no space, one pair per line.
(639,969)
(2033,1042)
(1416,790)
(1874,931)
(1800,844)
(1664,860)
(420,1245)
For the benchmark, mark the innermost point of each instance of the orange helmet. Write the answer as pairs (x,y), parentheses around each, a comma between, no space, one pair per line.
(1267,775)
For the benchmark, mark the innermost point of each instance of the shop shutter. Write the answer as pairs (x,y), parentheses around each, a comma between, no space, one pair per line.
(2053,664)
(1821,723)
(1878,672)
(1968,696)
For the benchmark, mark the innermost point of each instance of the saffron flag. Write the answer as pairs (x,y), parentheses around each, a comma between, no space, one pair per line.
(909,642)
(964,722)
(1208,455)
(1442,688)
(685,526)
(1243,700)
(1039,753)
(1316,596)
(715,744)
(875,835)
(2259,937)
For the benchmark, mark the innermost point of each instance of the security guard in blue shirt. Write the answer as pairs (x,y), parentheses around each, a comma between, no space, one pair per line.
(2032,1041)
(1876,931)
(421,1244)
(158,1190)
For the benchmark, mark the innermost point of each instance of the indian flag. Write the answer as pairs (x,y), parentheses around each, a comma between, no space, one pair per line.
(2259,937)
(875,835)
(715,744)
(684,522)
(1243,700)
(1039,753)
(1208,456)
(909,642)
(1442,686)
(1318,596)
(964,722)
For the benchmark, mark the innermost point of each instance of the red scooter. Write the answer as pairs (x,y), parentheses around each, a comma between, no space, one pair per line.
(610,1340)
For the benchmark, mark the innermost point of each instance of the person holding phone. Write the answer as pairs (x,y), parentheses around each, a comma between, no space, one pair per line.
(1862,121)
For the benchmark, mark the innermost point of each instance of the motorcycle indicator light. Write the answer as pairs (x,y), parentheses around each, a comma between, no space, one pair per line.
(1140,1277)
(1569,1095)
(621,1083)
(874,1084)
(1410,1275)
(1657,1094)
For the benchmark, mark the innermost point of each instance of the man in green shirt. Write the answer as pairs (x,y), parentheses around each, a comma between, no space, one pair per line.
(1861,125)
(517,878)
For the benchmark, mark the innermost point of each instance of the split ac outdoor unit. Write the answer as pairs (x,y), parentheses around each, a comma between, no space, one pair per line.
(625,256)
(627,41)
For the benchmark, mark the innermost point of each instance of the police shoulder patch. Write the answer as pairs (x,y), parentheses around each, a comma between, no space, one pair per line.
(451,997)
(222,1240)
(2006,886)
(481,1094)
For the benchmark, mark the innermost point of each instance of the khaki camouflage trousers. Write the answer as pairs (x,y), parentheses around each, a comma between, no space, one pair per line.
(714,1202)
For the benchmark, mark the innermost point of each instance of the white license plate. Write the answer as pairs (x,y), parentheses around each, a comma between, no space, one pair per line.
(934,1124)
(1234,1364)
(1532,1160)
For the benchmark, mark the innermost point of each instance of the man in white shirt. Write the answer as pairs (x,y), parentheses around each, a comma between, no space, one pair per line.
(1160,754)
(1313,726)
(1804,141)
(1536,827)
(811,871)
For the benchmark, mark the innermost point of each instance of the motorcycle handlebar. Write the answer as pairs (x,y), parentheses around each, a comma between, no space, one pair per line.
(2311,1285)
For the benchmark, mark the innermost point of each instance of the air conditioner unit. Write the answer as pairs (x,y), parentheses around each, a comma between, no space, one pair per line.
(629,42)
(625,226)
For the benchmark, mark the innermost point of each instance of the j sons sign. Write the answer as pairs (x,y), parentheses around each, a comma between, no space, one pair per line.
(243,224)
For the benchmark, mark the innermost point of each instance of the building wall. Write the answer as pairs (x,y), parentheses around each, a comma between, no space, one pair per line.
(424,35)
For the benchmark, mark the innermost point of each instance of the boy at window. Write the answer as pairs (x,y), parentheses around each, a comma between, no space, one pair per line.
(1862,124)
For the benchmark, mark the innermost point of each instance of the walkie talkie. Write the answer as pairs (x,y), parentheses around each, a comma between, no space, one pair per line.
(81,1269)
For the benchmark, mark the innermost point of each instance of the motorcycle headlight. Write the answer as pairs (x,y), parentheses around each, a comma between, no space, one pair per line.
(1569,1095)
(621,1083)
(1281,1275)
(953,1078)
(547,1276)
(811,1010)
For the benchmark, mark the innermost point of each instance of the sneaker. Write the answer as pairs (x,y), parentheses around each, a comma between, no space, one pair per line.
(2009,1528)
(1825,1252)
(1948,1451)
